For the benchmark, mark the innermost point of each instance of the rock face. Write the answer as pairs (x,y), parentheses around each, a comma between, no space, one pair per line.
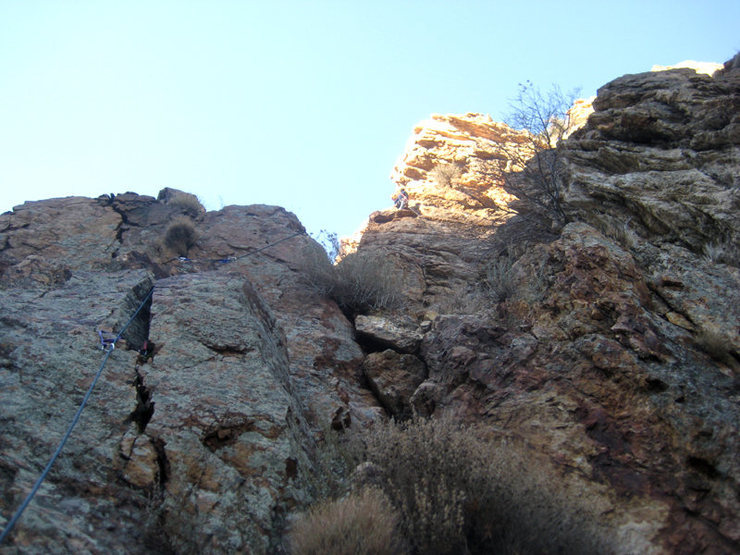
(655,142)
(610,346)
(206,441)
(448,165)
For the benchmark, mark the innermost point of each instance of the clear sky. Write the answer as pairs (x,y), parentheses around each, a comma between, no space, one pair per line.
(303,104)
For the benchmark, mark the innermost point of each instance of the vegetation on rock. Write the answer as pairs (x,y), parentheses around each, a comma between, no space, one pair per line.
(180,236)
(545,115)
(452,489)
(358,283)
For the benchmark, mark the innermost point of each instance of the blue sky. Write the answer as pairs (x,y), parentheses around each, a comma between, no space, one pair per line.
(302,104)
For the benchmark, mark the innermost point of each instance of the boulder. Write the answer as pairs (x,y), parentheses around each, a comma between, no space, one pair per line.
(402,335)
(394,378)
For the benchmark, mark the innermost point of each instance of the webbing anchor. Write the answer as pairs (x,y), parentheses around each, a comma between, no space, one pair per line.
(107,343)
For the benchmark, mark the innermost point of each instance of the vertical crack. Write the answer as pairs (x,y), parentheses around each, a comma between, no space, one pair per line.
(144,409)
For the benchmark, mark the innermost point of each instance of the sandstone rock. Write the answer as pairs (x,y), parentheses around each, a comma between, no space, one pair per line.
(384,216)
(127,231)
(225,416)
(614,354)
(709,68)
(452,168)
(246,369)
(50,354)
(324,358)
(578,114)
(140,461)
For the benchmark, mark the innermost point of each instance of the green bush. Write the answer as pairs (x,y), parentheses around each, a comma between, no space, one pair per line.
(361,523)
(180,236)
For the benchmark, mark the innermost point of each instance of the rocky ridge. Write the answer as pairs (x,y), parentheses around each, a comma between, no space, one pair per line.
(612,344)
(609,348)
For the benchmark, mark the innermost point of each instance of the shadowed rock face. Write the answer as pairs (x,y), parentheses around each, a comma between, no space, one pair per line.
(611,347)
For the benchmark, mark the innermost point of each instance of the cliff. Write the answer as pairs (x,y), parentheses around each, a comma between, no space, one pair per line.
(606,346)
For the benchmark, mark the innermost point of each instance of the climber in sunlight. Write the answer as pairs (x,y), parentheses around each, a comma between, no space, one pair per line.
(400,198)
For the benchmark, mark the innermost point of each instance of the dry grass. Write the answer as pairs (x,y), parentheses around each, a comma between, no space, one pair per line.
(457,492)
(359,283)
(187,203)
(431,470)
(723,252)
(500,278)
(445,175)
(361,523)
(180,236)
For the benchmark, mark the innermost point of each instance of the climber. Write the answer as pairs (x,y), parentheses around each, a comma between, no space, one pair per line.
(401,199)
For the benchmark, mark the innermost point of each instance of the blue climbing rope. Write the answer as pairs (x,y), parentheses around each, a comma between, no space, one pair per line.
(109,345)
(229,259)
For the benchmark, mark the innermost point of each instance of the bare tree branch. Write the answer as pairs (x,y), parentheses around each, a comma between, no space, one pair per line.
(537,174)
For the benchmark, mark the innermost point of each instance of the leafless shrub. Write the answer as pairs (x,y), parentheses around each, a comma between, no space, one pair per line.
(330,241)
(545,115)
(180,236)
(445,175)
(537,282)
(457,492)
(500,277)
(359,283)
(362,523)
(432,471)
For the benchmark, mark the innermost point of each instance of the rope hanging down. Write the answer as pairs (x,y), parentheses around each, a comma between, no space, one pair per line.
(108,345)
(37,485)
